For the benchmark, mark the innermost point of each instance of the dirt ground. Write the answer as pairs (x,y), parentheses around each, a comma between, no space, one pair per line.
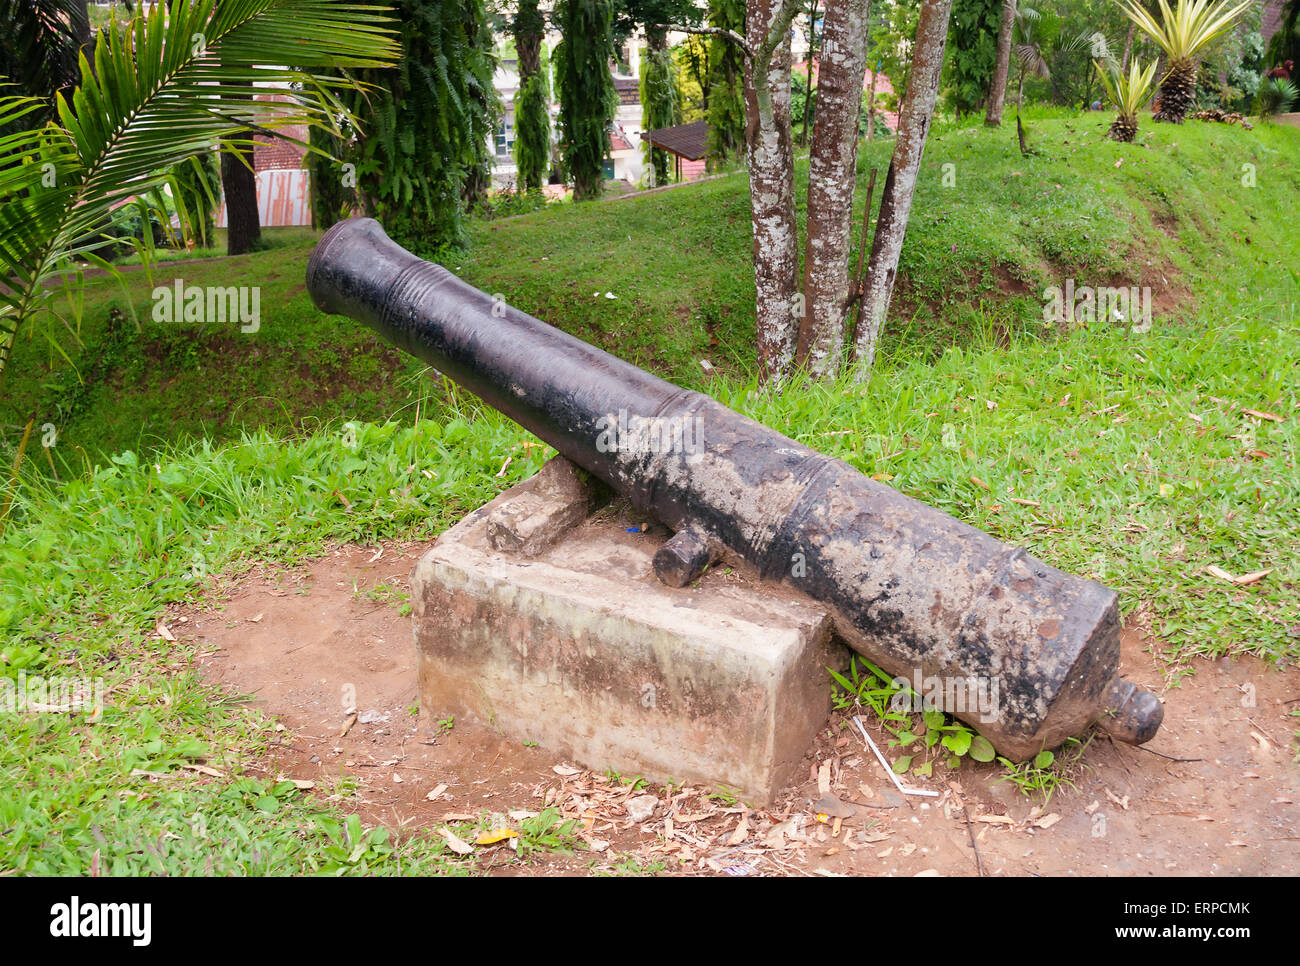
(328,650)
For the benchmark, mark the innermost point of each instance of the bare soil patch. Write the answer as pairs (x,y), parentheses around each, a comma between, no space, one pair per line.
(312,644)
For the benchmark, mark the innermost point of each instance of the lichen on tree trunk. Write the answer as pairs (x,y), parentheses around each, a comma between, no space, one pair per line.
(770,153)
(831,182)
(900,183)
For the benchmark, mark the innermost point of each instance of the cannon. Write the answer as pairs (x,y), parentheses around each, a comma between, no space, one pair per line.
(1026,654)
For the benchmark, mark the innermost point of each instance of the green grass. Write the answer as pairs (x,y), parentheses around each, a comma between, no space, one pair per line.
(1136,450)
(85,570)
(1097,428)
(986,235)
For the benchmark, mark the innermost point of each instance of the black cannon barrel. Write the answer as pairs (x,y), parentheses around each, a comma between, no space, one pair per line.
(1026,654)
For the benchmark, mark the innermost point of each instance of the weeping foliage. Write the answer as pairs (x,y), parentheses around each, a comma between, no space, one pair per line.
(661,103)
(726,73)
(427,122)
(533,126)
(163,90)
(586,88)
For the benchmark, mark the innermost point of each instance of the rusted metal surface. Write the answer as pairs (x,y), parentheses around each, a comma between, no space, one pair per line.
(1026,654)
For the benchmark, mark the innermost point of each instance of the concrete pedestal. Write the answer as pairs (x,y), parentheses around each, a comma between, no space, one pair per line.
(579,647)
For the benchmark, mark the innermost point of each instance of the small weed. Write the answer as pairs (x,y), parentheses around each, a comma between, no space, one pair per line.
(725,795)
(383,594)
(1047,771)
(636,783)
(630,865)
(547,832)
(925,732)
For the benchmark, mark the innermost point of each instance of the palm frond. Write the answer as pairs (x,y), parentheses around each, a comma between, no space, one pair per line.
(1128,93)
(1185,29)
(171,85)
(1032,60)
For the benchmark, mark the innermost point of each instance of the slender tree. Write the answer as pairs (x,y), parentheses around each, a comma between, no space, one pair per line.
(770,154)
(426,123)
(900,182)
(726,114)
(587,96)
(831,180)
(972,54)
(784,329)
(660,98)
(239,185)
(533,101)
(1001,65)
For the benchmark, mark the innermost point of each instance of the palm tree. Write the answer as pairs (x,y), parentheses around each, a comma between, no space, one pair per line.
(167,88)
(1128,93)
(1030,59)
(1181,33)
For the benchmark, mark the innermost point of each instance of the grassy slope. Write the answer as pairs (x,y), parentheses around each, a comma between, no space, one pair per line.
(1135,447)
(1174,215)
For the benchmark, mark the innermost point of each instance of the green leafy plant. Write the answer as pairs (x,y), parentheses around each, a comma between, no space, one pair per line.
(587,96)
(547,832)
(931,730)
(163,90)
(1182,32)
(532,102)
(661,104)
(1276,95)
(1128,93)
(1047,771)
(424,157)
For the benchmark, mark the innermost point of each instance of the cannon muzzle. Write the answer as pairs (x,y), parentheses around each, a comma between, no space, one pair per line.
(1024,653)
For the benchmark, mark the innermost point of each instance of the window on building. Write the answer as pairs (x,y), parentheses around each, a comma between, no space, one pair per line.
(505,139)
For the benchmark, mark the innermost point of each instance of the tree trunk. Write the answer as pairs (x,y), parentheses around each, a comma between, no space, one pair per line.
(871,108)
(808,88)
(532,97)
(831,179)
(528,27)
(770,153)
(998,89)
(1128,48)
(900,182)
(656,59)
(239,185)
